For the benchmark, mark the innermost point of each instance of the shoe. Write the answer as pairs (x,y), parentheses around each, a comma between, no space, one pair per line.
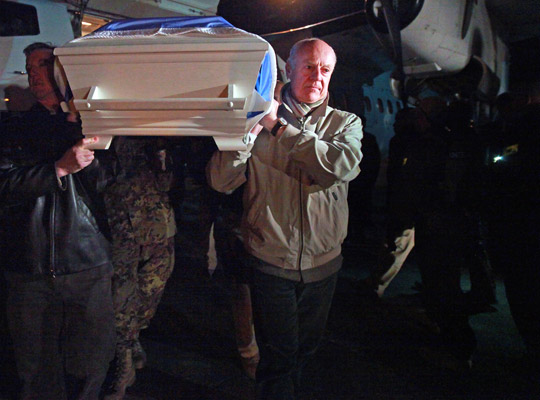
(445,361)
(249,365)
(124,375)
(138,355)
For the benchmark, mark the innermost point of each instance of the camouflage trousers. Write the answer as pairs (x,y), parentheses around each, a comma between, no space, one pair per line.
(140,275)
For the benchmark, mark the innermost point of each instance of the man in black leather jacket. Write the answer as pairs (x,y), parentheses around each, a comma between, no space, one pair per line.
(55,249)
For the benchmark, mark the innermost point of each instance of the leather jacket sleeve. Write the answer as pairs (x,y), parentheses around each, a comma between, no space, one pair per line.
(23,183)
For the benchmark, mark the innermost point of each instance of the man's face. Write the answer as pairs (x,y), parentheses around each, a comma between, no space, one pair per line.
(311,72)
(39,66)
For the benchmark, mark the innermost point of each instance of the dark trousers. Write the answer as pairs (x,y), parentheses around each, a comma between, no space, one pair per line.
(290,319)
(63,333)
(439,254)
(515,248)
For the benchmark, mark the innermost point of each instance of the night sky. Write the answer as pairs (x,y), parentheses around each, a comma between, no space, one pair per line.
(266,16)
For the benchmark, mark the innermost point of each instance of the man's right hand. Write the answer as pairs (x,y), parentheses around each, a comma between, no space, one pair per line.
(76,158)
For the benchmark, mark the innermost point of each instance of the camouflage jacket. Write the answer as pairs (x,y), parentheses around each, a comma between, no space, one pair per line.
(137,202)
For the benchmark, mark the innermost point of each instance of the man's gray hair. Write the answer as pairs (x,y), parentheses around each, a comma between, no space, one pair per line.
(300,44)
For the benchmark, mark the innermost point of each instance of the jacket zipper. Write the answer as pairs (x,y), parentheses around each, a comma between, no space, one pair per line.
(302,121)
(51,238)
(301,248)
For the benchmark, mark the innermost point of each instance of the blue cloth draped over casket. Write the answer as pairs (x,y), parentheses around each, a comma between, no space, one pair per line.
(186,76)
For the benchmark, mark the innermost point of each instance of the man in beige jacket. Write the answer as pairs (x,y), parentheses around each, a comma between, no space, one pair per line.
(295,213)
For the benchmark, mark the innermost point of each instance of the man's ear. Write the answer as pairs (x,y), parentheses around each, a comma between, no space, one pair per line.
(288,70)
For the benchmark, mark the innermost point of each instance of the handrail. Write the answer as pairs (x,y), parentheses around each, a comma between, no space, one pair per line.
(161,104)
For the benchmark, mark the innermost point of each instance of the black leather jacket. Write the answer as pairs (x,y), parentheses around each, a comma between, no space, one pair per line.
(48,227)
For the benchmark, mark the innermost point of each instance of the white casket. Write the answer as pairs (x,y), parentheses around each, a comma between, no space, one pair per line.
(170,77)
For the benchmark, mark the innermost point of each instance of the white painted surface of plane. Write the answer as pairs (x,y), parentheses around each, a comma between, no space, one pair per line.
(441,38)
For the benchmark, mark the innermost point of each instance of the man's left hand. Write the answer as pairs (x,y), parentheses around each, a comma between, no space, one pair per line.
(270,119)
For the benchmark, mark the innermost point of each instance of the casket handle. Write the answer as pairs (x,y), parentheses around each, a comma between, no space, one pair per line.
(227,104)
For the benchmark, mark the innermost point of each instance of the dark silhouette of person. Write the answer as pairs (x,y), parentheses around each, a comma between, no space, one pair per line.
(512,211)
(429,188)
(361,227)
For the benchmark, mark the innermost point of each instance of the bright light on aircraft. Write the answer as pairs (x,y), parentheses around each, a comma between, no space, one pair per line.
(498,158)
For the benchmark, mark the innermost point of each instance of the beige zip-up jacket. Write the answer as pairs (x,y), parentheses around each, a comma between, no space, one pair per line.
(295,199)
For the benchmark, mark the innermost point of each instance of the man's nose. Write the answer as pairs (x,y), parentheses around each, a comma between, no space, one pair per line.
(316,74)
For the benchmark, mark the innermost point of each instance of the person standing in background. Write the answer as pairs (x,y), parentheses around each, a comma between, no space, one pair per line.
(143,229)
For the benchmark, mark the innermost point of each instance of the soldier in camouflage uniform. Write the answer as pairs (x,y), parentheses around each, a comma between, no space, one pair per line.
(143,228)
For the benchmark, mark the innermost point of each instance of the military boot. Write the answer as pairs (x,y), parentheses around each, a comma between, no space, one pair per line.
(138,354)
(124,375)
